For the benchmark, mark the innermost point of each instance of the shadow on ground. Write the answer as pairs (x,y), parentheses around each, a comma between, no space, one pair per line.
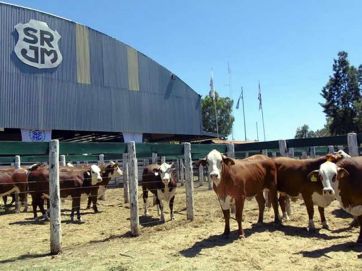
(344,247)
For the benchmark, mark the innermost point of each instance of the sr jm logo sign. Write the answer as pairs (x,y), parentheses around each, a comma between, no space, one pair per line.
(37,45)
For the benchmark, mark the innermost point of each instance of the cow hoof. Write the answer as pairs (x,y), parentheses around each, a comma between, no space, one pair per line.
(354,223)
(325,226)
(241,236)
(311,230)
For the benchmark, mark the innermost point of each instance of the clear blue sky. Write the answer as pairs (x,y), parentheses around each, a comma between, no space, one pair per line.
(288,45)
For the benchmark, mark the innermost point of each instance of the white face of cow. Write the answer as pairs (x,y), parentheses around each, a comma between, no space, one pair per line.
(117,172)
(328,176)
(95,174)
(343,154)
(165,173)
(213,161)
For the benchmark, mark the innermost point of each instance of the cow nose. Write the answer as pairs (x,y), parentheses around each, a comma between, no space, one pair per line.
(328,191)
(213,175)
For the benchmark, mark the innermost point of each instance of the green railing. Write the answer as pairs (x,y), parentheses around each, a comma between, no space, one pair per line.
(86,152)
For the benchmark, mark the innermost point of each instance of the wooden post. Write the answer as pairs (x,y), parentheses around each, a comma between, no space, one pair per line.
(154,158)
(133,188)
(125,177)
(312,152)
(283,148)
(17,162)
(189,184)
(62,160)
(54,197)
(201,175)
(230,150)
(330,149)
(352,144)
(163,159)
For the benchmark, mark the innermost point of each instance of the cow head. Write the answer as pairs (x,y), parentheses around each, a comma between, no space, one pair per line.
(327,174)
(342,154)
(112,171)
(165,172)
(214,161)
(95,173)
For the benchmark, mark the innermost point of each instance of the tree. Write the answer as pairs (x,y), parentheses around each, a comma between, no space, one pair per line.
(341,94)
(223,108)
(304,132)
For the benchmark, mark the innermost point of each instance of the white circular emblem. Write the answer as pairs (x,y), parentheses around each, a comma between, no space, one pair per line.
(37,135)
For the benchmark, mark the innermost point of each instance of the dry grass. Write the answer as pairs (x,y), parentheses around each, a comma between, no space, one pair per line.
(103,241)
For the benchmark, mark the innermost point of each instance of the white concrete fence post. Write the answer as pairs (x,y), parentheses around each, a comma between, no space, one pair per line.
(312,152)
(274,154)
(304,155)
(62,160)
(133,188)
(154,158)
(291,152)
(178,170)
(352,144)
(54,197)
(101,159)
(283,148)
(182,172)
(163,159)
(230,150)
(330,149)
(189,184)
(125,177)
(17,162)
(201,175)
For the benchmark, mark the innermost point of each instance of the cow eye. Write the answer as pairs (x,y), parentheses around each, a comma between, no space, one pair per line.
(334,178)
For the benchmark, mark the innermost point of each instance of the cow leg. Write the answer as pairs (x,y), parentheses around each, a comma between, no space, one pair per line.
(239,203)
(171,207)
(283,206)
(94,195)
(160,204)
(24,201)
(354,223)
(261,204)
(310,210)
(273,198)
(359,240)
(323,218)
(34,203)
(145,197)
(89,202)
(227,222)
(41,207)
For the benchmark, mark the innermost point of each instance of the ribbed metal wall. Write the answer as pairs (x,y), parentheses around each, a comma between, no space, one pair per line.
(53,98)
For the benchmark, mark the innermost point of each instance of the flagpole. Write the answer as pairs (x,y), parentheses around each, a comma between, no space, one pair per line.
(257,132)
(262,113)
(242,100)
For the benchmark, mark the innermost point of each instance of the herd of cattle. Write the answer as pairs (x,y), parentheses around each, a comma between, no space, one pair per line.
(272,181)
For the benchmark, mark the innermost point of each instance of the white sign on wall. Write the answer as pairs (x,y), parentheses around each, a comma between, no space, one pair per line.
(29,135)
(37,45)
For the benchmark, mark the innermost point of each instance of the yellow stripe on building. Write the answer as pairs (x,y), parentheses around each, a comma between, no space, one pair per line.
(133,79)
(83,58)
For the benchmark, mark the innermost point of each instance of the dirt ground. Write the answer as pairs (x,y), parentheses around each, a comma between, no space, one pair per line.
(103,242)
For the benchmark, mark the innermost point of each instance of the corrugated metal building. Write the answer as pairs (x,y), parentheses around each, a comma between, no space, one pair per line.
(86,82)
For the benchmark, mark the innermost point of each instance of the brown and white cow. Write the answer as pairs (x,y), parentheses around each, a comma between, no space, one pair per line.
(108,173)
(160,180)
(294,181)
(73,182)
(345,178)
(240,179)
(14,181)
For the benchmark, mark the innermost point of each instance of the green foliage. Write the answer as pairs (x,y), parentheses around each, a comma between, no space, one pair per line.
(341,95)
(304,132)
(223,108)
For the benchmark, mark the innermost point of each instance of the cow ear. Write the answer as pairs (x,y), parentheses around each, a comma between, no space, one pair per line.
(201,162)
(342,173)
(313,176)
(228,161)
